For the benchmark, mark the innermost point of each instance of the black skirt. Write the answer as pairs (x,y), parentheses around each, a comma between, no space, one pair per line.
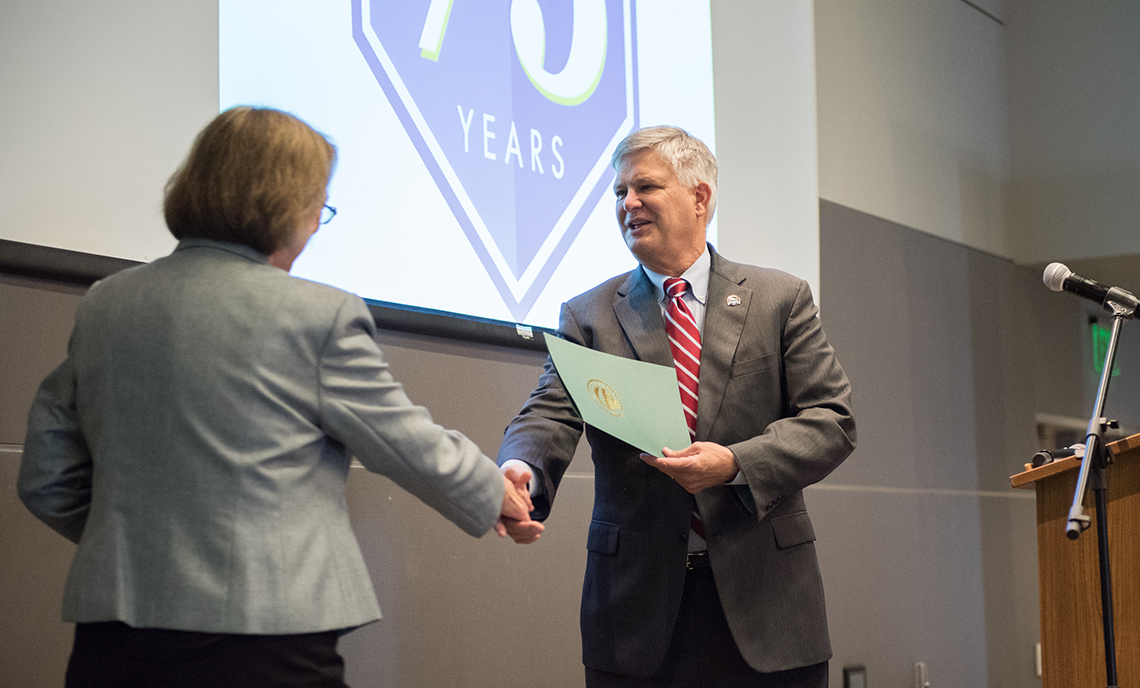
(115,654)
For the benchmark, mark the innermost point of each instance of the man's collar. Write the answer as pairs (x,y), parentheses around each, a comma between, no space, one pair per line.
(697,276)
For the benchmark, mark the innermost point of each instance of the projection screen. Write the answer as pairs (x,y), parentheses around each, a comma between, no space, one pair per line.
(474,137)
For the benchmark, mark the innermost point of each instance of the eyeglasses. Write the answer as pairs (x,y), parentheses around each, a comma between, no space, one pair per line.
(327,214)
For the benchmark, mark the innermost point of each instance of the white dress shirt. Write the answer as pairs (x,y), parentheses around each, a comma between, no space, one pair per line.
(695,298)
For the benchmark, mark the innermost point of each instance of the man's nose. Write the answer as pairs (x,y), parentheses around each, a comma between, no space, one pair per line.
(631,201)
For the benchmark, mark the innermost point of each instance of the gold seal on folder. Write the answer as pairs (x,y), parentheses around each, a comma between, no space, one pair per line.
(604,396)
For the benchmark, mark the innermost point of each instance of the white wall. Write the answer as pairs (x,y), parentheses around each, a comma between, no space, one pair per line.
(913,121)
(100,103)
(1075,104)
(768,212)
(1010,126)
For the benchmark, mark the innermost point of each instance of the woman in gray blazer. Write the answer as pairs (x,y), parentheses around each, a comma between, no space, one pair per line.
(196,441)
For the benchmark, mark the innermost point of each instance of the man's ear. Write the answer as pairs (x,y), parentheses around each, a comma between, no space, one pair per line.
(702,194)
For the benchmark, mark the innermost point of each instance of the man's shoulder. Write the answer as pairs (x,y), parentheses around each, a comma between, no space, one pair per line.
(754,275)
(607,290)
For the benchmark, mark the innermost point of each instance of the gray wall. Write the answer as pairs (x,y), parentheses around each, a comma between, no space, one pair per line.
(927,553)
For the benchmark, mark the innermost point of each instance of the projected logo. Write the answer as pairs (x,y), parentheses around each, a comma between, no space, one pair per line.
(515,107)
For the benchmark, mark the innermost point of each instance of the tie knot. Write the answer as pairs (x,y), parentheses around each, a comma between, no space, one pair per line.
(675,287)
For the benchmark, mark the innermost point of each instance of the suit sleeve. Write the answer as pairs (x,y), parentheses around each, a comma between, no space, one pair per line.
(546,431)
(55,476)
(817,431)
(363,407)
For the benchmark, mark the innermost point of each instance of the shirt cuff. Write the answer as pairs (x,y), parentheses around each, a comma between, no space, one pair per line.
(535,485)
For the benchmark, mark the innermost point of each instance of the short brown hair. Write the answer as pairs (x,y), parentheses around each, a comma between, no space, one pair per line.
(250,178)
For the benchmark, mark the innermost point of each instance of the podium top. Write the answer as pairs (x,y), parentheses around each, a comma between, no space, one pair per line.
(1026,480)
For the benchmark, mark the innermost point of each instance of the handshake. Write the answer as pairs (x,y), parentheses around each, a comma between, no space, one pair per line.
(514,519)
(699,466)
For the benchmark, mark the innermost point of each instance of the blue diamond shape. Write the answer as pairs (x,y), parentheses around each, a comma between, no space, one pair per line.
(521,154)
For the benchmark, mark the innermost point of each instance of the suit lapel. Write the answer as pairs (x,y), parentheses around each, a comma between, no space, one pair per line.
(639,315)
(720,336)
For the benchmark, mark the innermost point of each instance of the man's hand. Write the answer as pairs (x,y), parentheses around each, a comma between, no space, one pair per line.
(516,497)
(700,465)
(515,517)
(522,532)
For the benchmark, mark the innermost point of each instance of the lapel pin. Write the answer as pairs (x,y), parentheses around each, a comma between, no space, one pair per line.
(733,300)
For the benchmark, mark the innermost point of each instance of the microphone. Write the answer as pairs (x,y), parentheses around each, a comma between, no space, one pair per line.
(1058,277)
(1050,455)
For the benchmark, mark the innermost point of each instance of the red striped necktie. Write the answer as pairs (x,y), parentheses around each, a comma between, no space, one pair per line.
(685,343)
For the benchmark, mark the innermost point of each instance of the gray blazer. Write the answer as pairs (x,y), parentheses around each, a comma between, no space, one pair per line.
(772,391)
(197,439)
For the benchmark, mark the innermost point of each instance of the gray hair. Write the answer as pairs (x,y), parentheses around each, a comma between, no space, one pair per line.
(689,156)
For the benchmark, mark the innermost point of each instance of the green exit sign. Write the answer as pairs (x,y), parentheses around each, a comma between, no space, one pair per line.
(1101,336)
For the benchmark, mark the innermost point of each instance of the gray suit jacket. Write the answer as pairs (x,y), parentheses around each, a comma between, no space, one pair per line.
(197,439)
(772,391)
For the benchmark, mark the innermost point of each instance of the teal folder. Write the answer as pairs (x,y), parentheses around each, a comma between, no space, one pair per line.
(635,401)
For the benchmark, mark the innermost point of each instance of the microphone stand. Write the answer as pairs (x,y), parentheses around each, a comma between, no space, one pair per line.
(1093,466)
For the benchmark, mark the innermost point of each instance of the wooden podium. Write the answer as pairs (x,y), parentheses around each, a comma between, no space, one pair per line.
(1072,631)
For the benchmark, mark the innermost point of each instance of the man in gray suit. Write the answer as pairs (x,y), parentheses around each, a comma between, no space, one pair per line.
(728,593)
